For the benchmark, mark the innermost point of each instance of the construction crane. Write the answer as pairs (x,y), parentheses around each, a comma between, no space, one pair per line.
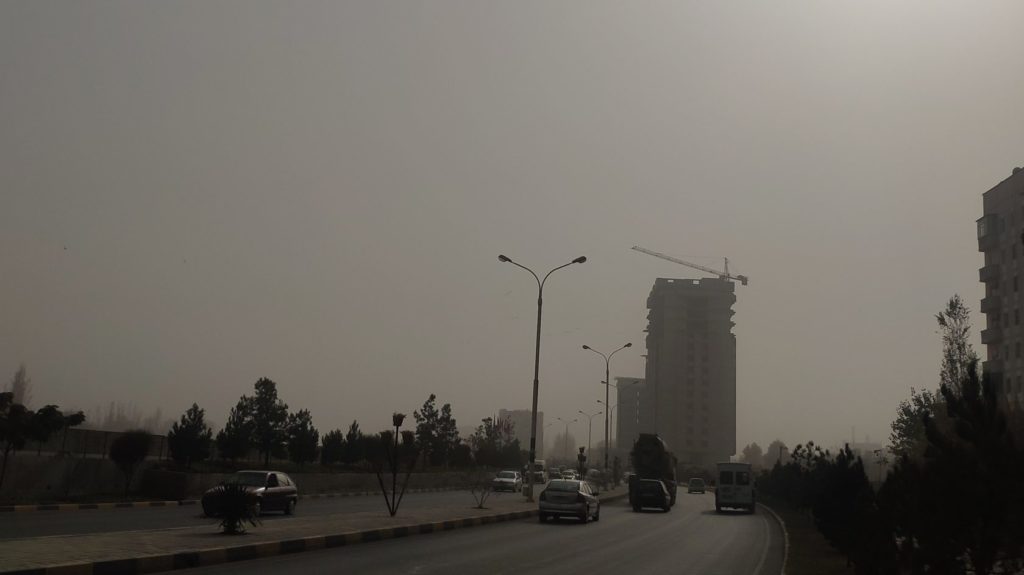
(722,275)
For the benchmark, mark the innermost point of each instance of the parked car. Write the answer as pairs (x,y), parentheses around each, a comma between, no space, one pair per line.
(272,491)
(651,493)
(569,498)
(696,485)
(569,474)
(507,481)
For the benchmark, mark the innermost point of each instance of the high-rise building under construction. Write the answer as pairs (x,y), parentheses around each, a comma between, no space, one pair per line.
(691,368)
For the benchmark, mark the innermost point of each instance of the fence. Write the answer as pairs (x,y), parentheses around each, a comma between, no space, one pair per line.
(91,443)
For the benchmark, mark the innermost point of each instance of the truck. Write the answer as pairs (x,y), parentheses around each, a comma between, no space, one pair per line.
(651,459)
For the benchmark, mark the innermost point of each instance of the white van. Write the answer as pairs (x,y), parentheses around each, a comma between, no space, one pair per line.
(540,472)
(735,487)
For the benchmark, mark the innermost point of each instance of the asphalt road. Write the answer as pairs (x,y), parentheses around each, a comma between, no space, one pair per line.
(691,539)
(43,523)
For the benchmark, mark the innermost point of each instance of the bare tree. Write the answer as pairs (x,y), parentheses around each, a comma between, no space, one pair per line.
(479,481)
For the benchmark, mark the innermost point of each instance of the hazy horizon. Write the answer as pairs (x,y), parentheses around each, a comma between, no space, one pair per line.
(197,195)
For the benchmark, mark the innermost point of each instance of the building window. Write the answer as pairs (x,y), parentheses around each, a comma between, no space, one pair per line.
(1015,278)
(1016,317)
(1017,351)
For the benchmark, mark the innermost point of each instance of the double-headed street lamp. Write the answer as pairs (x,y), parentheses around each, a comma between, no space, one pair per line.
(611,413)
(565,438)
(611,409)
(536,361)
(607,382)
(590,427)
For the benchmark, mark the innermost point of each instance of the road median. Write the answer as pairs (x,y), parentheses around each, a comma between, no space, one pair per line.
(182,502)
(170,549)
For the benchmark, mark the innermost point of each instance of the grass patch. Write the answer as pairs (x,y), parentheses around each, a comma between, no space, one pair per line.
(809,552)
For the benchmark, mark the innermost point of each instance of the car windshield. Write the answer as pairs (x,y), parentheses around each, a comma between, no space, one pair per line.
(696,482)
(248,478)
(564,485)
(506,475)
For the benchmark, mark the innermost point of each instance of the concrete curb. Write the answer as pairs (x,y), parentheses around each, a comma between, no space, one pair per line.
(179,503)
(785,535)
(205,557)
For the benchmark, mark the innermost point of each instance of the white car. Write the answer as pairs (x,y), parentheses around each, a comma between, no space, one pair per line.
(507,481)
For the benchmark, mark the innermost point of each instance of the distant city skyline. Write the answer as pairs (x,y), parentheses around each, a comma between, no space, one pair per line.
(197,195)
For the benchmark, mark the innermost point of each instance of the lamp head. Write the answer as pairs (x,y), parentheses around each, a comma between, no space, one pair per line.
(502,258)
(579,260)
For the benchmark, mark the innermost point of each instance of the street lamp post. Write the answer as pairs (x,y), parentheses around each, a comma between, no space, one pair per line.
(565,438)
(536,361)
(611,412)
(607,382)
(590,428)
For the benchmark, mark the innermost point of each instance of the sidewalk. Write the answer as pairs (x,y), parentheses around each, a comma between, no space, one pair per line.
(166,549)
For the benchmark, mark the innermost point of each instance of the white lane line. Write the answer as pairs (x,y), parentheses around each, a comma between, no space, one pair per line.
(785,537)
(767,545)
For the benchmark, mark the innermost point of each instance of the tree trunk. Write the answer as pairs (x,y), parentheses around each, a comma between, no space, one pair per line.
(128,481)
(3,470)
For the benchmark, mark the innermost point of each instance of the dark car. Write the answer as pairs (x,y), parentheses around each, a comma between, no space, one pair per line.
(652,493)
(271,490)
(569,498)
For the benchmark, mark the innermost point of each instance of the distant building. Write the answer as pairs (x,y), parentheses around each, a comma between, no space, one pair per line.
(691,368)
(1001,239)
(520,419)
(634,406)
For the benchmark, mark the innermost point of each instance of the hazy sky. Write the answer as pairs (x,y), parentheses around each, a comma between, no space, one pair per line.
(197,194)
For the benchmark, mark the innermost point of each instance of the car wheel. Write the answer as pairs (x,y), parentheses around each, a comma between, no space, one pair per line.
(543,517)
(636,509)
(289,508)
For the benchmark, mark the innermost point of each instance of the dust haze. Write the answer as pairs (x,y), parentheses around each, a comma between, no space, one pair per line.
(194,195)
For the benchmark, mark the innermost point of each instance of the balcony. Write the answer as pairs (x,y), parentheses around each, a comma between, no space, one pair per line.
(990,304)
(987,232)
(994,335)
(989,273)
(992,366)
